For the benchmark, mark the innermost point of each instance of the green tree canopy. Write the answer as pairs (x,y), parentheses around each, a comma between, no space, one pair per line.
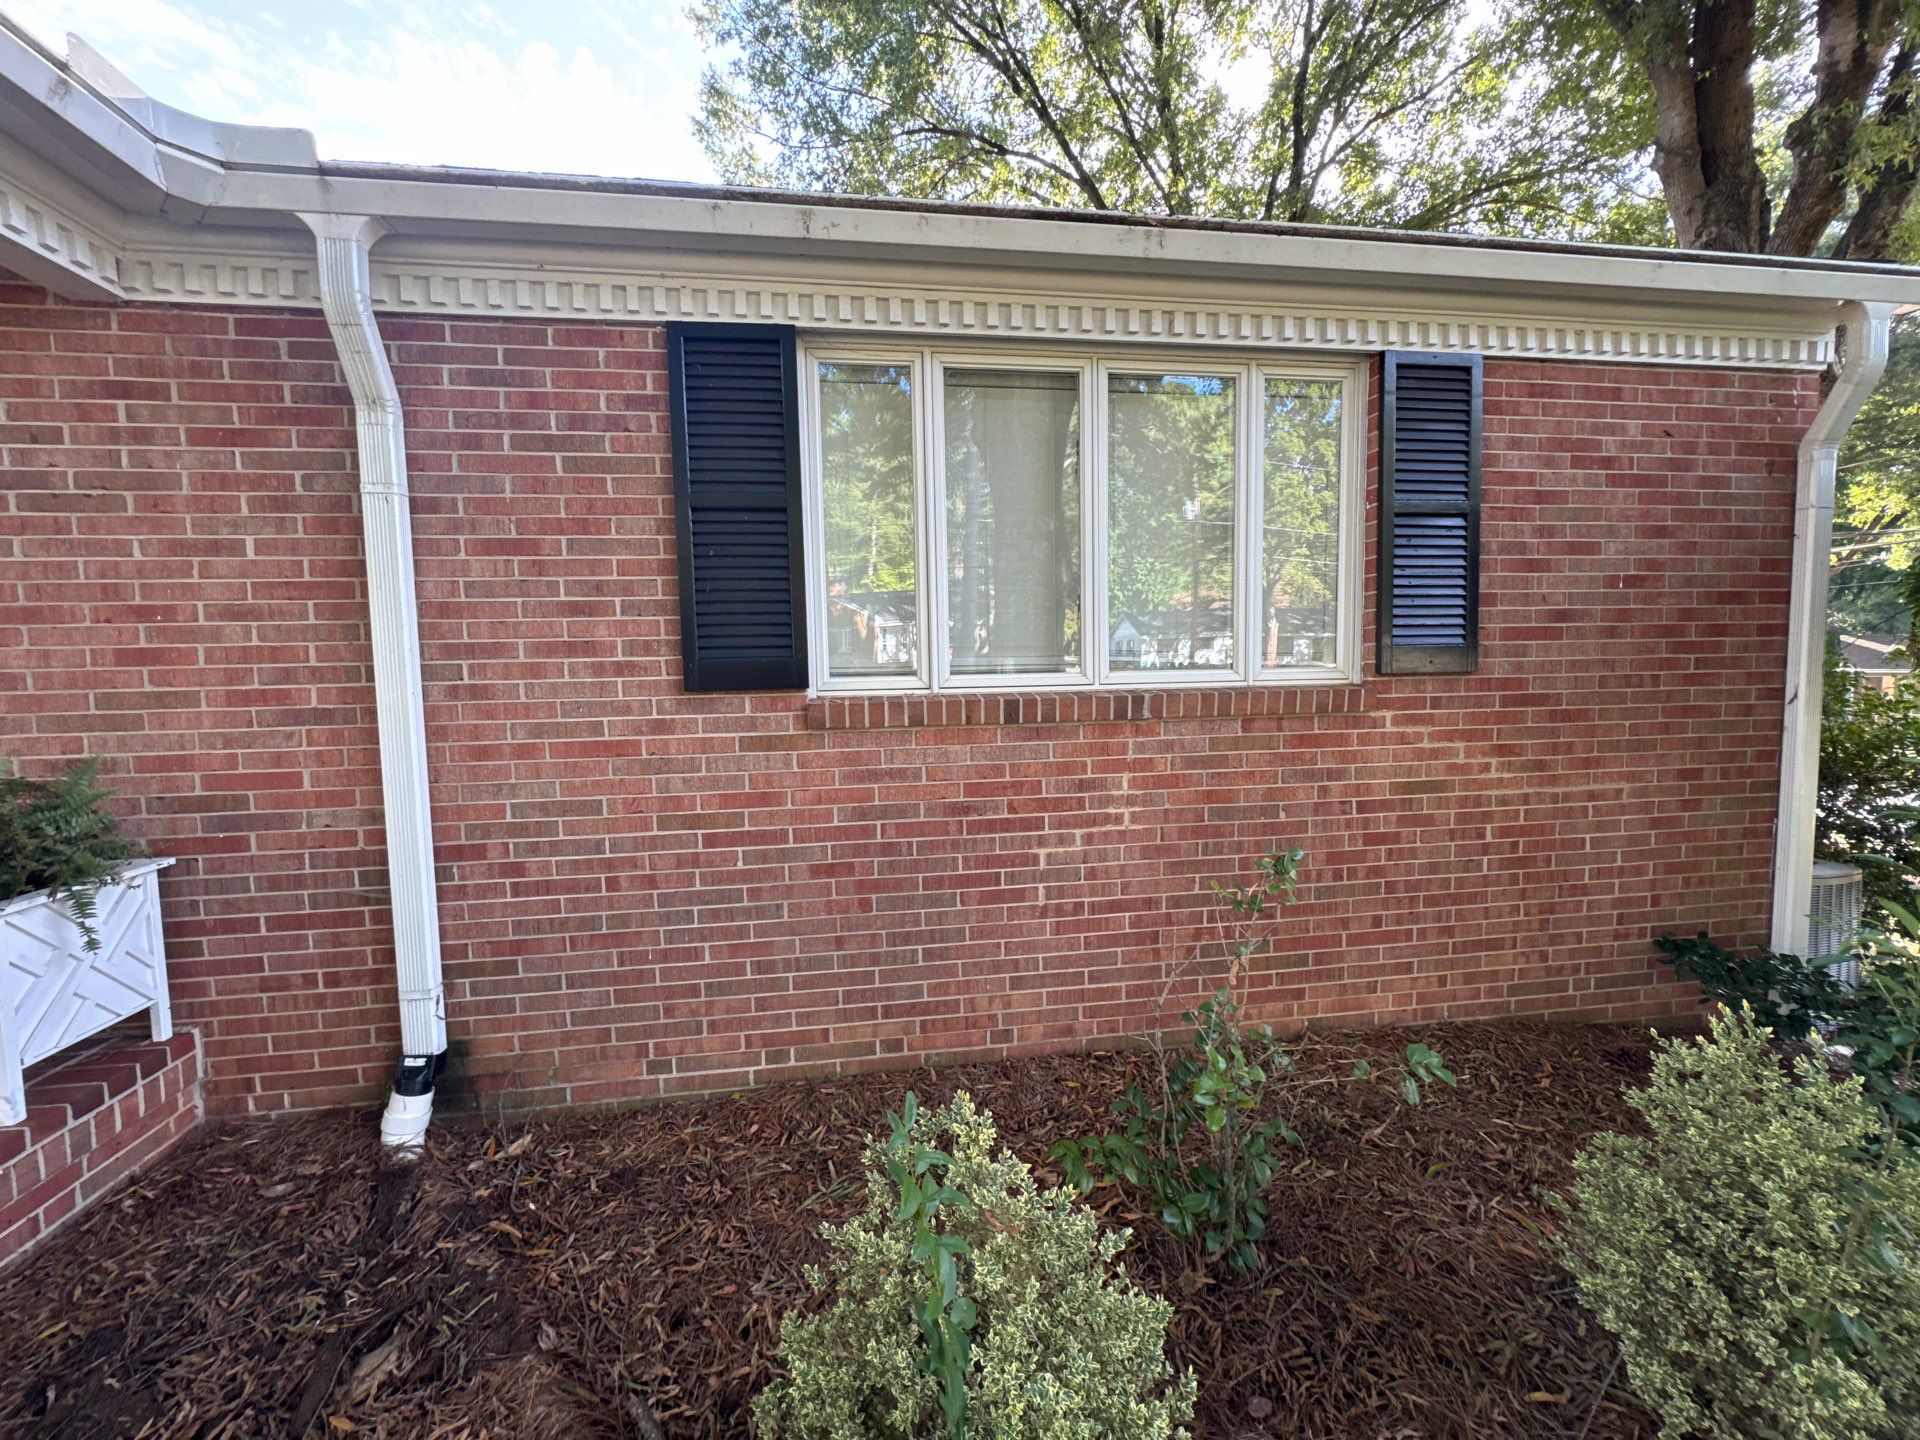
(1401,112)
(1876,559)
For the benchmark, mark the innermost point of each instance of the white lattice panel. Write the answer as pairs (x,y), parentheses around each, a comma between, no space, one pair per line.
(53,992)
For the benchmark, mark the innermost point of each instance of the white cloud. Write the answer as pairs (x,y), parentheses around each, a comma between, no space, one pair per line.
(557,88)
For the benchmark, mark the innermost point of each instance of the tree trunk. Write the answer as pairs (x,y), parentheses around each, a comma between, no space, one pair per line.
(1699,64)
(1733,203)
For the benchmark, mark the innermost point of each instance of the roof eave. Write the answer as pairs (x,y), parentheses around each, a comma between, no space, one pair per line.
(183,174)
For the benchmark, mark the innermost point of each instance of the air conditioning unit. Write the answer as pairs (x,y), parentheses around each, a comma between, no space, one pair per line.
(1839,899)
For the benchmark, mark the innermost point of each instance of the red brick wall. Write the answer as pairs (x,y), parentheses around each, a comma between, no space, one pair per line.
(645,892)
(96,1114)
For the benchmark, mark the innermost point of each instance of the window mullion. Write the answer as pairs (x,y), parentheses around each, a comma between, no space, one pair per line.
(929,480)
(1095,623)
(1249,625)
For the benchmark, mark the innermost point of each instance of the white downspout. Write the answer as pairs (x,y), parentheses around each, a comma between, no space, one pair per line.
(346,297)
(1867,327)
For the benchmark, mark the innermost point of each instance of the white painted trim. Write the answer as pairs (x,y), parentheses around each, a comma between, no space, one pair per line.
(343,243)
(960,303)
(151,160)
(1864,360)
(66,237)
(1250,523)
(1248,372)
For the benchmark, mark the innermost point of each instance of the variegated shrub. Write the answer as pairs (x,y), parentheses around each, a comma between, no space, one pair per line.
(967,1301)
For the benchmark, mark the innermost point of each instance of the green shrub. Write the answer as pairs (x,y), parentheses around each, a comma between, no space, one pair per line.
(58,836)
(1754,1250)
(1878,1023)
(1213,1192)
(1874,1025)
(968,1302)
(1788,994)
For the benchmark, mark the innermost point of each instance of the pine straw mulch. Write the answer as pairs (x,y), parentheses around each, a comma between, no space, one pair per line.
(623,1274)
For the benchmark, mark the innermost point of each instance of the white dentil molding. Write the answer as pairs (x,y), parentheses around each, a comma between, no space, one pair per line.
(516,289)
(52,245)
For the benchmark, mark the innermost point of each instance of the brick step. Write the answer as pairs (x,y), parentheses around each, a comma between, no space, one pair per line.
(95,1115)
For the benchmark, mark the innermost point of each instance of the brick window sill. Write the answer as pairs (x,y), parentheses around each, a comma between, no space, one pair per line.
(1083,707)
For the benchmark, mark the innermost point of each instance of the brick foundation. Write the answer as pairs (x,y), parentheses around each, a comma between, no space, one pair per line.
(95,1115)
(647,892)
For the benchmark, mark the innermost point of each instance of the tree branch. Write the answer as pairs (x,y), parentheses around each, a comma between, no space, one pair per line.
(1851,41)
(1885,197)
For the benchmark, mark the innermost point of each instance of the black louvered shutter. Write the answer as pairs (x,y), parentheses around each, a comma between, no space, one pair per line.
(1430,515)
(736,472)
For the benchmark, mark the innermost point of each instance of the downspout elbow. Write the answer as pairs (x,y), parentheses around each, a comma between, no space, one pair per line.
(403,1125)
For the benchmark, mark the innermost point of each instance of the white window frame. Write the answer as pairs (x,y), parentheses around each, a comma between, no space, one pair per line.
(927,366)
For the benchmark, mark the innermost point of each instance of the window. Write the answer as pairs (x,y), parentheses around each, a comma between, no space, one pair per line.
(997,518)
(1013,521)
(1171,468)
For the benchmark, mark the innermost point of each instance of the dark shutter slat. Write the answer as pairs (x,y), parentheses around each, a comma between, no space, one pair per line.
(1430,514)
(736,465)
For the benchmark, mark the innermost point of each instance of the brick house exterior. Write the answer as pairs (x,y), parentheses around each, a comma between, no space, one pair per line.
(347,518)
(646,892)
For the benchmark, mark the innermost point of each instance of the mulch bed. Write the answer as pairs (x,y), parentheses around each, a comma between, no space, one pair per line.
(623,1274)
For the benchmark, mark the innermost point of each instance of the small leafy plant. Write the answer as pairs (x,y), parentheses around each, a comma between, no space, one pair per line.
(1215,1088)
(1420,1069)
(946,1317)
(1202,1142)
(967,1301)
(58,836)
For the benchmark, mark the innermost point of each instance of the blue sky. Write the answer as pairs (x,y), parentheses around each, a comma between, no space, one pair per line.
(604,87)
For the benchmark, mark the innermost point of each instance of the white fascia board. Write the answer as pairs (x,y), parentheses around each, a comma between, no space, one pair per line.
(142,154)
(474,207)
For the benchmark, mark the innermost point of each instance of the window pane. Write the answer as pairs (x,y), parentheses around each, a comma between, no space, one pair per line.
(1170,522)
(1013,521)
(866,473)
(1300,550)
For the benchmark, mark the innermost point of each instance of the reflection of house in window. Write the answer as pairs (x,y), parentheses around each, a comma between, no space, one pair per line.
(870,629)
(1300,635)
(1172,639)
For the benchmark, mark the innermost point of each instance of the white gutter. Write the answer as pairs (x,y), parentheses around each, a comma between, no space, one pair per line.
(346,297)
(1867,329)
